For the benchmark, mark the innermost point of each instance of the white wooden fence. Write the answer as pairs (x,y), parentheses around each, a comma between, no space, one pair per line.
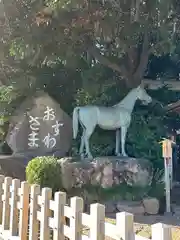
(26,212)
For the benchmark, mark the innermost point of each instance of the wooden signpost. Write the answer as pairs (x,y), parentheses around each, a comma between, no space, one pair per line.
(167,155)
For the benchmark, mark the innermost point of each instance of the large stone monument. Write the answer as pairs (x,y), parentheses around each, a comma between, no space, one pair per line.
(40,127)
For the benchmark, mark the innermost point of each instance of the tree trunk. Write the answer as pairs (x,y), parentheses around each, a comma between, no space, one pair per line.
(135,82)
(133,64)
(138,62)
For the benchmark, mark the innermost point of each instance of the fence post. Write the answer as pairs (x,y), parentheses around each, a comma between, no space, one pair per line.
(60,201)
(76,219)
(14,209)
(161,232)
(1,194)
(45,211)
(125,226)
(97,218)
(33,222)
(6,206)
(24,208)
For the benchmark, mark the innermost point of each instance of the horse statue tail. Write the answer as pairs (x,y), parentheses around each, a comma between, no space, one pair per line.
(75,121)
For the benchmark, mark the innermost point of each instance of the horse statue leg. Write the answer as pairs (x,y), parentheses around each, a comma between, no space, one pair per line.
(117,151)
(81,149)
(86,139)
(87,136)
(123,140)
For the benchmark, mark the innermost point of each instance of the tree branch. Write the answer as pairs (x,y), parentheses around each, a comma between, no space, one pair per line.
(144,57)
(155,45)
(136,17)
(132,58)
(106,62)
(36,56)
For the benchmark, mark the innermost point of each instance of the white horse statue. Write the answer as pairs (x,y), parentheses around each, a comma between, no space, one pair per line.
(109,118)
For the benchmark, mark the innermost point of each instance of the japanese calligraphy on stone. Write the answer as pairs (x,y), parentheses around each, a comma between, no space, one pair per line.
(49,140)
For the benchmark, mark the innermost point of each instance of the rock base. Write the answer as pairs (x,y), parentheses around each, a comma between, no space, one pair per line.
(11,166)
(106,172)
(148,206)
(151,205)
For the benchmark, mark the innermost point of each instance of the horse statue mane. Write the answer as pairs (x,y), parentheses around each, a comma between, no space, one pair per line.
(117,117)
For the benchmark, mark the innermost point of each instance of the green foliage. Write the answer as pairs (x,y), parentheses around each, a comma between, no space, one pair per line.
(157,187)
(144,134)
(122,34)
(17,49)
(44,171)
(7,96)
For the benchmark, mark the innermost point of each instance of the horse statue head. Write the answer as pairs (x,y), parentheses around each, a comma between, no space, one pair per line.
(142,95)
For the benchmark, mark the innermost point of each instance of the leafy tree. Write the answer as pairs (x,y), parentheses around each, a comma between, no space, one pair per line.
(118,34)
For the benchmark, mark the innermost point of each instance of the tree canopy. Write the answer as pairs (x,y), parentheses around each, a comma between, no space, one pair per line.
(118,34)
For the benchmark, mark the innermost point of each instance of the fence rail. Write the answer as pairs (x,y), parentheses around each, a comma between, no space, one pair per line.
(26,212)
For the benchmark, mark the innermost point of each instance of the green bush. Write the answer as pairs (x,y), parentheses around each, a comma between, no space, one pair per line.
(44,171)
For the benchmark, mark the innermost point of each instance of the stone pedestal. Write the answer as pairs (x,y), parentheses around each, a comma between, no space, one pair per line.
(106,172)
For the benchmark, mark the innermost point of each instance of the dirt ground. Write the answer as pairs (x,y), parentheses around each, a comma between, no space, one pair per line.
(143,224)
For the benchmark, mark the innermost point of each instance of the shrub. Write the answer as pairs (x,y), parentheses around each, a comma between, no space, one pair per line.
(157,188)
(44,171)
